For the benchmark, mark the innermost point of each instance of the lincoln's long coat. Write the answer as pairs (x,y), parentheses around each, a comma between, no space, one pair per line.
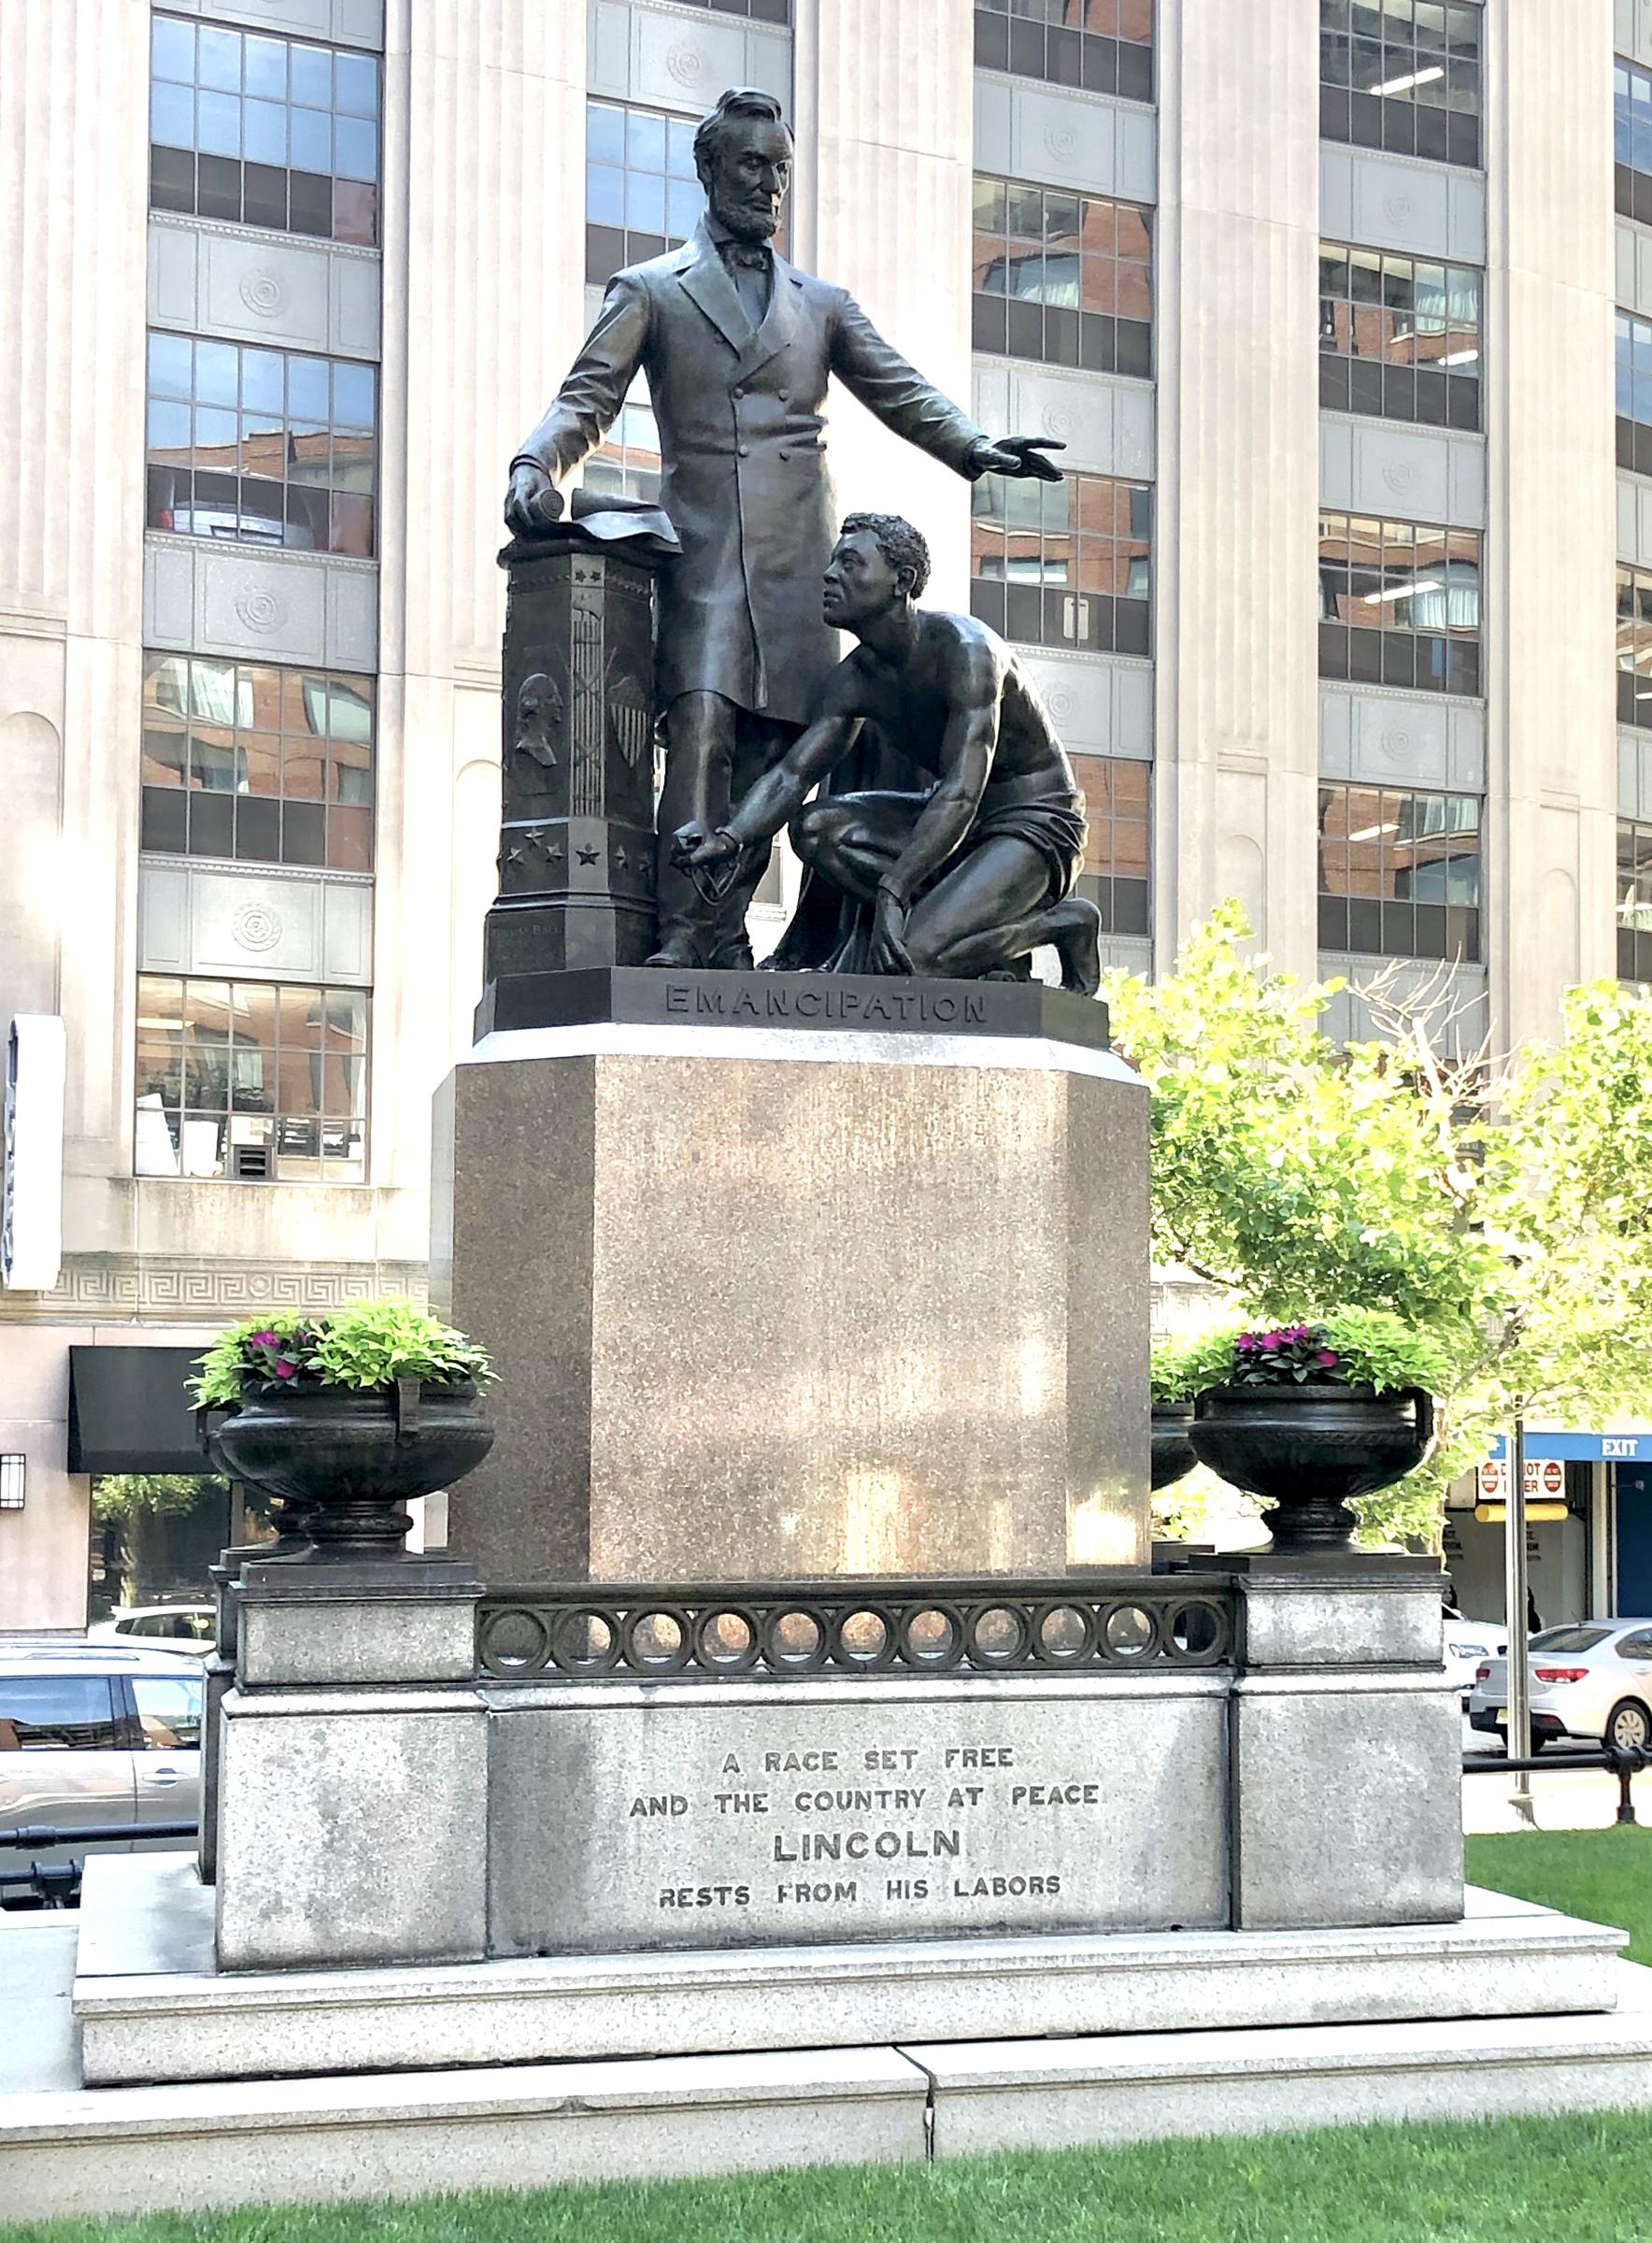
(741,436)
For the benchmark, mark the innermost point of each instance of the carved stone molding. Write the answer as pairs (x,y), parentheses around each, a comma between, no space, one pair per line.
(116,1287)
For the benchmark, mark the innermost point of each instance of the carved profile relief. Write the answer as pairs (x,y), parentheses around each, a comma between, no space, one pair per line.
(538,715)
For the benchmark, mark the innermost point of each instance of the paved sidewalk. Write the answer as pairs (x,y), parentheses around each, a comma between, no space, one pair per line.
(1570,1799)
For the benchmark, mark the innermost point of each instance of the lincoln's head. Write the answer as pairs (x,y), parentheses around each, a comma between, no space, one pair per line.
(880,561)
(743,153)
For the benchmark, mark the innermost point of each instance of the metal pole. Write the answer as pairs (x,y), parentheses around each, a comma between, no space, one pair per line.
(1519,1672)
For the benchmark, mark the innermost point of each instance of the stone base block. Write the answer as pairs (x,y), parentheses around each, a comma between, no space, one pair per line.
(151,2006)
(771,1304)
(1056,2095)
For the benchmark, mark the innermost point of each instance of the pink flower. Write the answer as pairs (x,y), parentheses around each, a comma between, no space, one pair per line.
(1272,1342)
(1327,1356)
(264,1339)
(1246,1343)
(285,1369)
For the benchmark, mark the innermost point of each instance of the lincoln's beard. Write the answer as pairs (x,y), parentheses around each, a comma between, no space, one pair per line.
(740,218)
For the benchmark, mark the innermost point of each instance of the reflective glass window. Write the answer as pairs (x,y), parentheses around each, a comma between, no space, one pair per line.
(1399,337)
(250,1080)
(1400,873)
(642,194)
(1104,46)
(1632,117)
(1063,278)
(262,447)
(57,1713)
(1064,564)
(255,760)
(264,131)
(1634,393)
(1399,605)
(1403,76)
(1118,797)
(1634,900)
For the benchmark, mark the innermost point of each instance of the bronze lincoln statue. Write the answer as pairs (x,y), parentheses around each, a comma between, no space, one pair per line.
(738,348)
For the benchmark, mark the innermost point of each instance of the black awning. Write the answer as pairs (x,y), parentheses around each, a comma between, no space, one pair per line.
(129,1411)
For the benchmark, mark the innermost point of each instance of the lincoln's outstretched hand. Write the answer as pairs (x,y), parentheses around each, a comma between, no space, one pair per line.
(1021,456)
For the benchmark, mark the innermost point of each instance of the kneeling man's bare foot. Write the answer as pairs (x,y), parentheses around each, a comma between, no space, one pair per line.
(1079,946)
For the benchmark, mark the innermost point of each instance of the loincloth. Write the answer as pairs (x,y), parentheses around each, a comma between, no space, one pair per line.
(1055,828)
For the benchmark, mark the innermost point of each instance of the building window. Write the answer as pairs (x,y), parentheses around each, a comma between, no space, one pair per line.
(1399,605)
(759,11)
(1633,140)
(262,446)
(1067,279)
(246,760)
(1634,646)
(1399,337)
(1064,564)
(642,196)
(628,462)
(251,1080)
(1401,75)
(1635,901)
(1400,873)
(1634,393)
(264,132)
(1105,46)
(1117,797)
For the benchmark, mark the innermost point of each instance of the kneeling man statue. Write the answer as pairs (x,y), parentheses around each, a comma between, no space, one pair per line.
(966,880)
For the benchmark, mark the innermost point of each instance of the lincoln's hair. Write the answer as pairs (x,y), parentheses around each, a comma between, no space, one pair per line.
(739,101)
(901,544)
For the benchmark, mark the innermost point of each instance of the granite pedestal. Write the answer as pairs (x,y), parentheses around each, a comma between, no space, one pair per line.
(774,1293)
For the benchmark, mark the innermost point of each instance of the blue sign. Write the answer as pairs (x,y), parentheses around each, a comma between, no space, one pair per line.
(1579,1448)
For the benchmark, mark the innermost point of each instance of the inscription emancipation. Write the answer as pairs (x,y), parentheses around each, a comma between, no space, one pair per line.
(884,1824)
(894,1008)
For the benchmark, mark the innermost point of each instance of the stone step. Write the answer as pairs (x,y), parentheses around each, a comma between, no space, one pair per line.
(151,2006)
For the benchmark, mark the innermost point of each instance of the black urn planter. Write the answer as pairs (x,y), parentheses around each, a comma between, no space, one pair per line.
(354,1458)
(289,1519)
(1308,1449)
(1172,1451)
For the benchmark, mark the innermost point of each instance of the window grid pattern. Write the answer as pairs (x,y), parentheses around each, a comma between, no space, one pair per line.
(251,761)
(756,11)
(1401,75)
(628,462)
(264,447)
(1399,337)
(642,195)
(1399,603)
(1632,105)
(1104,46)
(239,1079)
(1634,646)
(1060,277)
(1635,901)
(1064,564)
(264,132)
(1400,873)
(1634,393)
(1117,796)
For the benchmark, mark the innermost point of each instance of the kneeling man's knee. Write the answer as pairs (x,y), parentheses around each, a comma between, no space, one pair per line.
(815,828)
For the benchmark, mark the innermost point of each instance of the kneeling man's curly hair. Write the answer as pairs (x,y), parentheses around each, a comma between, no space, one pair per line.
(901,544)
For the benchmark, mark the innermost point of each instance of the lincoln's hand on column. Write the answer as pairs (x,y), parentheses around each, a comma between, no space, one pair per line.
(738,349)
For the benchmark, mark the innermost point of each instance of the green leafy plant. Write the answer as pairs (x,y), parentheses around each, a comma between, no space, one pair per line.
(1349,1348)
(363,1349)
(120,1496)
(1186,1366)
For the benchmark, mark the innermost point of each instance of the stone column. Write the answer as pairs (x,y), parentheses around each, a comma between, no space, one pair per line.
(1236,521)
(484,262)
(1551,533)
(1347,1753)
(883,113)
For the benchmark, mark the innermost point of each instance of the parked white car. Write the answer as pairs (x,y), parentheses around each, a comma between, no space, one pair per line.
(189,1629)
(1591,1678)
(1469,1644)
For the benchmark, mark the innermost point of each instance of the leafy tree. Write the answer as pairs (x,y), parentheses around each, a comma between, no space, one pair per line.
(1504,1210)
(119,1497)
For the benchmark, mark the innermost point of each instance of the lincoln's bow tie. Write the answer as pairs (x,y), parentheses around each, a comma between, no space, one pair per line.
(748,256)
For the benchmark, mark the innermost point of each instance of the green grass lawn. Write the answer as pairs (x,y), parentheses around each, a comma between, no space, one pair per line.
(1603,1875)
(1578,2179)
(1561,2180)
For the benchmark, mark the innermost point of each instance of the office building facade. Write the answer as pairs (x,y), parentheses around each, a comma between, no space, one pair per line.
(1343,309)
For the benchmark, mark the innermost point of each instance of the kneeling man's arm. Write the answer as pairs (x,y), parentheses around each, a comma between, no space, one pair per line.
(967,751)
(780,793)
